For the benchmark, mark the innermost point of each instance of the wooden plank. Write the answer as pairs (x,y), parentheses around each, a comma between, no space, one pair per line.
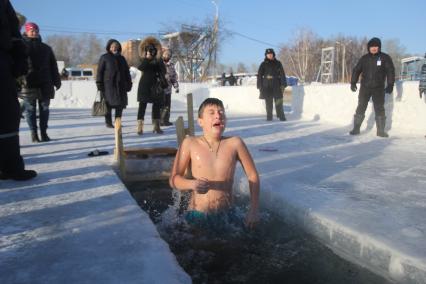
(180,130)
(148,151)
(190,110)
(119,154)
(136,177)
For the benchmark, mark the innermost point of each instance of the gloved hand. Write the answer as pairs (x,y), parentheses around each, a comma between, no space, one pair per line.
(354,87)
(282,89)
(100,87)
(389,89)
(58,86)
(177,90)
(421,92)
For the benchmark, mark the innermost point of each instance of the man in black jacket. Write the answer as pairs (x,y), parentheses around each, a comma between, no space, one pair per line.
(43,75)
(375,67)
(271,82)
(12,65)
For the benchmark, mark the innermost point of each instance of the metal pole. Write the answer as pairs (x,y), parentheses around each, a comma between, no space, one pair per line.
(343,62)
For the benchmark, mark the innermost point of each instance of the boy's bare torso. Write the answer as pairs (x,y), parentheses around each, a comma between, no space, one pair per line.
(215,163)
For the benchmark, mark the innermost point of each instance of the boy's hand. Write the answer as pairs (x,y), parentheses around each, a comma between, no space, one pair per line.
(201,185)
(252,219)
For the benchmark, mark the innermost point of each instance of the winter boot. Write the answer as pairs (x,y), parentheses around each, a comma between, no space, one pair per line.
(44,137)
(165,116)
(139,128)
(19,176)
(282,117)
(157,128)
(34,137)
(108,121)
(380,124)
(358,119)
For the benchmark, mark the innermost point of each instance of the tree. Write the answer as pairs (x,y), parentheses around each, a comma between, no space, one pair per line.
(75,50)
(241,68)
(396,51)
(301,57)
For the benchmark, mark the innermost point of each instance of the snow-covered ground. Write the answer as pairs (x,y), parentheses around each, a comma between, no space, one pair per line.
(362,196)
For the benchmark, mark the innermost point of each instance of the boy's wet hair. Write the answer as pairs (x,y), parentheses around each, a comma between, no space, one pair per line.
(209,101)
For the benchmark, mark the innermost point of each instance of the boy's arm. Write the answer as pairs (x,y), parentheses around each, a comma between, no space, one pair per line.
(254,183)
(177,178)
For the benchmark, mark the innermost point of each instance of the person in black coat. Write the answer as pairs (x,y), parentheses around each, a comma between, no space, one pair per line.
(13,63)
(44,76)
(376,67)
(232,80)
(271,82)
(153,69)
(113,80)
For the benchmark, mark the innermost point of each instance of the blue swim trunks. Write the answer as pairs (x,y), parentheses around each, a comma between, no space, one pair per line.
(214,221)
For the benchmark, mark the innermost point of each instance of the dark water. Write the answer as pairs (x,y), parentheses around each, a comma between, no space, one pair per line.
(274,252)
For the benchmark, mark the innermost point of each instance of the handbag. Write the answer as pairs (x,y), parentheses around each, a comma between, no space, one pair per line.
(29,94)
(99,107)
(157,91)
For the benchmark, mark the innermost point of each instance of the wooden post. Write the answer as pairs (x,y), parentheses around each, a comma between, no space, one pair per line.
(119,152)
(190,109)
(180,130)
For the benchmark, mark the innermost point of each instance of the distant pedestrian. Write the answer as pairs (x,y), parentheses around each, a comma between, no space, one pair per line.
(149,91)
(271,82)
(232,80)
(13,64)
(171,77)
(223,79)
(64,74)
(376,67)
(422,83)
(113,80)
(44,76)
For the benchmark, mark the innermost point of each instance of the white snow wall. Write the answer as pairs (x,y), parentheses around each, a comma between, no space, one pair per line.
(336,103)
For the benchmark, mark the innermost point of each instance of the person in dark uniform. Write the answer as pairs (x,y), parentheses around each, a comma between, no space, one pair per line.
(13,64)
(113,80)
(376,67)
(271,82)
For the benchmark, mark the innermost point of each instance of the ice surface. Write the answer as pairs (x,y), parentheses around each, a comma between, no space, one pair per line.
(362,196)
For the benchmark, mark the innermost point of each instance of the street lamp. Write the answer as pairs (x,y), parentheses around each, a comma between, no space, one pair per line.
(216,24)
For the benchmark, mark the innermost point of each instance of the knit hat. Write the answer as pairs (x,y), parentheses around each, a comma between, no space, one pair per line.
(31,26)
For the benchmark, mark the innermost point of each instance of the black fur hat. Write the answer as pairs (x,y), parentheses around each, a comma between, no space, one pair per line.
(374,42)
(270,50)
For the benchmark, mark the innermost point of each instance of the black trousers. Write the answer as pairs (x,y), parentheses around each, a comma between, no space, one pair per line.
(108,115)
(269,101)
(155,110)
(10,155)
(378,96)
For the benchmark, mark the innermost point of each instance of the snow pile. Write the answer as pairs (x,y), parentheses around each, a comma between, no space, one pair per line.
(336,103)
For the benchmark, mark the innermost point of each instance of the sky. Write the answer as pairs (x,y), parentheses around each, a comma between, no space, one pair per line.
(255,25)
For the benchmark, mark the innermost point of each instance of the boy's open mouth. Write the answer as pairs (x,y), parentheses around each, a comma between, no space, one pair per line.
(217,124)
